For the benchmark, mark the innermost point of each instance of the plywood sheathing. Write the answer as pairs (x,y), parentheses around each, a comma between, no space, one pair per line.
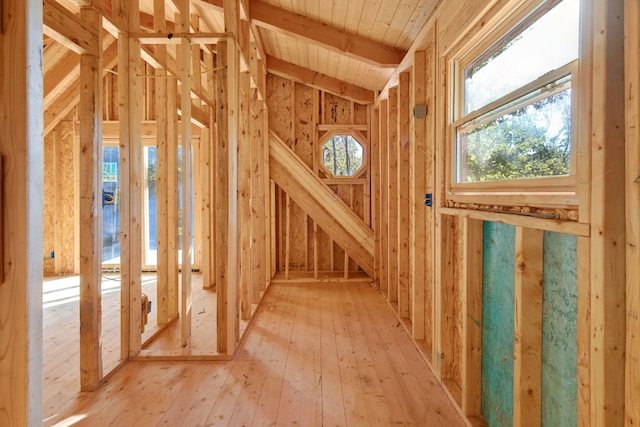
(60,200)
(296,112)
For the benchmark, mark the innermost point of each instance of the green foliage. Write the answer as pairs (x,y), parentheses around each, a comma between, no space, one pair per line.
(534,141)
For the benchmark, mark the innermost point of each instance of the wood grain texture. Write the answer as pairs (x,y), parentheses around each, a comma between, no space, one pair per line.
(393,195)
(527,345)
(343,361)
(90,211)
(405,296)
(21,133)
(632,137)
(472,318)
(607,215)
(321,204)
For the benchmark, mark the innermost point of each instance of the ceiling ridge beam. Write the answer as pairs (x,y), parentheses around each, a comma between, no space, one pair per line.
(355,46)
(320,81)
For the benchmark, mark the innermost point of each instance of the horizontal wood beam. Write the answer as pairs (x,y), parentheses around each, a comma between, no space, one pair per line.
(148,129)
(319,81)
(319,202)
(352,45)
(115,25)
(176,38)
(69,30)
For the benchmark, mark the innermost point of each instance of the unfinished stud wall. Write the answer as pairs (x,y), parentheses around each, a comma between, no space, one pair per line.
(300,116)
(504,306)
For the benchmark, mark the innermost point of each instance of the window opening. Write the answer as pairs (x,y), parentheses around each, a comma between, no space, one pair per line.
(342,155)
(515,109)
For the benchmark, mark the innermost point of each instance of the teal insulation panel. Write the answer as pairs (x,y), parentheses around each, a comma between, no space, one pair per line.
(498,268)
(559,331)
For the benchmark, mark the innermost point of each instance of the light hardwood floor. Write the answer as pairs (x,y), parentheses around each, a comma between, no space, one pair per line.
(317,355)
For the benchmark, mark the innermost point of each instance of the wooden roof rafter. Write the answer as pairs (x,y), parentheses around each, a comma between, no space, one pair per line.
(320,81)
(352,45)
(68,29)
(58,105)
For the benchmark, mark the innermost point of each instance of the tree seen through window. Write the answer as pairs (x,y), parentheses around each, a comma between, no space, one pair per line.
(342,155)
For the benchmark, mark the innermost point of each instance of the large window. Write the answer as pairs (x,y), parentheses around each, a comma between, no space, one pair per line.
(513,126)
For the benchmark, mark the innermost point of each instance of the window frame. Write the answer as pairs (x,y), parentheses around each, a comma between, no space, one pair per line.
(359,138)
(543,192)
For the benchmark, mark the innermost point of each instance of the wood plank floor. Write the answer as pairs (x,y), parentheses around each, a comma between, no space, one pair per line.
(317,355)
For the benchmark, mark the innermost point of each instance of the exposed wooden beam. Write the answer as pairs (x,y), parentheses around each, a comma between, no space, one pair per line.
(22,181)
(337,40)
(170,65)
(527,343)
(184,67)
(113,24)
(321,204)
(57,111)
(57,108)
(69,30)
(111,129)
(176,38)
(218,5)
(319,81)
(608,270)
(90,107)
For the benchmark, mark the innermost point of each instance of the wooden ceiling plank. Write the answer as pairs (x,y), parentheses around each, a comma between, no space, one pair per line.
(67,29)
(353,45)
(403,13)
(320,81)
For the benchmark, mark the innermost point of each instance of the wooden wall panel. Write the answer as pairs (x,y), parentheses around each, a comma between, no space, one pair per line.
(49,204)
(304,123)
(279,95)
(336,110)
(295,113)
(361,114)
(304,131)
(60,195)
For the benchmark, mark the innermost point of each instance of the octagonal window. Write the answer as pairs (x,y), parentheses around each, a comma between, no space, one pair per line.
(342,155)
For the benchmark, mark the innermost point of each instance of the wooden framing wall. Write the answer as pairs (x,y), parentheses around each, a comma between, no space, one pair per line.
(434,284)
(139,104)
(301,116)
(446,316)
